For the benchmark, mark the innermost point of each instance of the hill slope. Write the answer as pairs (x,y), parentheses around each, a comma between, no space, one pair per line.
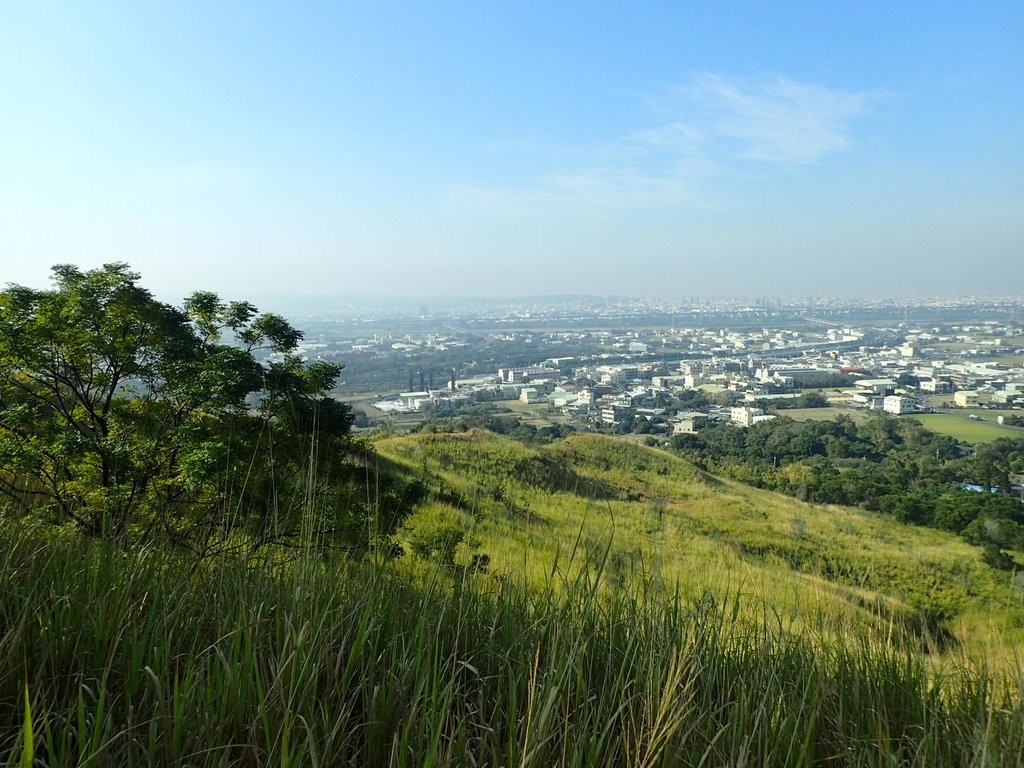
(146,656)
(658,523)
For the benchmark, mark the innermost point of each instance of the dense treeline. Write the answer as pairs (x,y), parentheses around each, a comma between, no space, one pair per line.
(803,400)
(824,380)
(885,464)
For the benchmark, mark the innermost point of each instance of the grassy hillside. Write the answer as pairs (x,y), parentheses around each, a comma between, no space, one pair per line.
(595,602)
(143,658)
(654,519)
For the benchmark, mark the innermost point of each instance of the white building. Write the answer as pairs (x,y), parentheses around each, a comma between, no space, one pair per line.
(529,395)
(744,415)
(413,400)
(897,405)
(688,422)
(613,414)
(881,387)
(931,384)
(560,398)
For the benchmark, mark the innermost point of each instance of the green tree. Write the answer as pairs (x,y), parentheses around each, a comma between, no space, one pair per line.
(812,400)
(128,416)
(880,430)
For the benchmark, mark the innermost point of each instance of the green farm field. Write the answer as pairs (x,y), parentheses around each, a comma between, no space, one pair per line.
(965,429)
(986,414)
(824,414)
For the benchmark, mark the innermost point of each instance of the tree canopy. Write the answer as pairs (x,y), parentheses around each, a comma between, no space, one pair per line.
(126,416)
(891,465)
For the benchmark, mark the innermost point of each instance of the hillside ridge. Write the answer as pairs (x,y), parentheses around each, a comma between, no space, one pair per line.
(658,517)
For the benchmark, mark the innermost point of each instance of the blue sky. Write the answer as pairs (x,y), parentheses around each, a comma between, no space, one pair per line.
(661,149)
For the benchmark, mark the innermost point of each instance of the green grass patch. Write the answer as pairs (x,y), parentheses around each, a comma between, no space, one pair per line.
(835,571)
(589,602)
(987,414)
(138,658)
(824,414)
(964,429)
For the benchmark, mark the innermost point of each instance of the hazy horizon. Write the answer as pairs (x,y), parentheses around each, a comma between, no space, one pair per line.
(664,150)
(273,301)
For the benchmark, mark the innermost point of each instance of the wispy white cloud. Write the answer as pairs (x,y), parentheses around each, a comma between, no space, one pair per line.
(585,191)
(776,120)
(714,126)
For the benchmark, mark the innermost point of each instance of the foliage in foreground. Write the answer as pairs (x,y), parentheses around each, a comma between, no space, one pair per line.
(108,658)
(133,419)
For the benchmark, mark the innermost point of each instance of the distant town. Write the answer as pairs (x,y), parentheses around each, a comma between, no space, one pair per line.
(670,368)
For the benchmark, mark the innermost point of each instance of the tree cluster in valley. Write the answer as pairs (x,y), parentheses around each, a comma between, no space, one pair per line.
(890,465)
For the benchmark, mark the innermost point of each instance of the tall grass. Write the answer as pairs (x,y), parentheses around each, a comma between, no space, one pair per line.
(141,659)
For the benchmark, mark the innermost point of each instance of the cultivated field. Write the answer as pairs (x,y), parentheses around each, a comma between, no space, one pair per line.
(824,414)
(965,429)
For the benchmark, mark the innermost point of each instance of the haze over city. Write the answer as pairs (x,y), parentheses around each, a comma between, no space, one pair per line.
(659,149)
